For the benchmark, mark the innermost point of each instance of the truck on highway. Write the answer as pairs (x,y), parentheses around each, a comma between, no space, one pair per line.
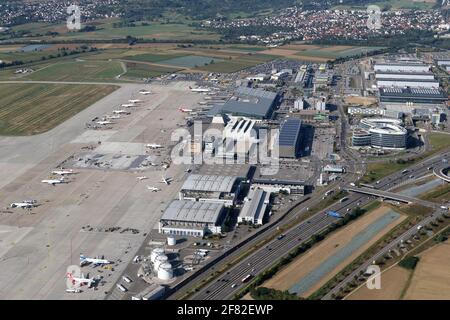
(246,278)
(343,199)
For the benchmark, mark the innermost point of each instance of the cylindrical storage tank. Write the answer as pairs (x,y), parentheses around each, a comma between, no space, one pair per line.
(161,259)
(156,252)
(165,271)
(171,241)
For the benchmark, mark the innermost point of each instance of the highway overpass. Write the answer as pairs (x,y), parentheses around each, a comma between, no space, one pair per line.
(389,195)
(442,172)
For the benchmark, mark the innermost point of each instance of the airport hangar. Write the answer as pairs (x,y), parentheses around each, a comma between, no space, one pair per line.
(192,218)
(211,188)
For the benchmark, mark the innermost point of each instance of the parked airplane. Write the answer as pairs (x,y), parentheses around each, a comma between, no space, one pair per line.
(200,89)
(104,123)
(121,112)
(128,105)
(166,180)
(95,261)
(54,181)
(334,214)
(185,110)
(145,92)
(112,117)
(154,189)
(80,280)
(154,146)
(26,204)
(63,172)
(135,101)
(142,178)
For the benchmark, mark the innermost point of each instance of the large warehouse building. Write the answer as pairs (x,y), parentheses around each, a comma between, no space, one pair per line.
(401,67)
(289,138)
(384,133)
(405,76)
(255,206)
(412,83)
(412,96)
(248,102)
(191,218)
(210,188)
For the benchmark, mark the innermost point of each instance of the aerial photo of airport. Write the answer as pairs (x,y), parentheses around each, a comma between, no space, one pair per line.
(224,150)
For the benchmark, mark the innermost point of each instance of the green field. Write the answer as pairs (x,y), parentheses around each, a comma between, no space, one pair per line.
(329,54)
(151,57)
(106,31)
(239,63)
(78,71)
(27,109)
(141,70)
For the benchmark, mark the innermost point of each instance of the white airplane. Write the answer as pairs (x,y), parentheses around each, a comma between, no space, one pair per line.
(142,178)
(112,117)
(54,181)
(95,261)
(63,172)
(121,112)
(81,280)
(200,89)
(128,105)
(185,110)
(145,92)
(24,205)
(154,146)
(104,123)
(166,180)
(154,189)
(135,101)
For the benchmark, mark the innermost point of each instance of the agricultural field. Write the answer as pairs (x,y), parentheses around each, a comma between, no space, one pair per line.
(393,282)
(106,31)
(28,109)
(431,278)
(79,70)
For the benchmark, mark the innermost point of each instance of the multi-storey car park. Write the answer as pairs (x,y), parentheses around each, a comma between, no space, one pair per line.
(384,133)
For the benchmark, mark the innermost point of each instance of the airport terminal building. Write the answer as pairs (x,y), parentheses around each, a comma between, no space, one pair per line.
(248,102)
(192,218)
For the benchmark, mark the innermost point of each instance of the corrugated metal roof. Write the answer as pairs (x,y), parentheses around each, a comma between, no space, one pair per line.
(199,212)
(256,206)
(211,183)
(289,132)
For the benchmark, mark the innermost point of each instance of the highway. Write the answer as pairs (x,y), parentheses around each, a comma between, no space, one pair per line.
(263,258)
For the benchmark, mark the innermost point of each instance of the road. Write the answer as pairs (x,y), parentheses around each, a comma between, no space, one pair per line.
(405,236)
(262,258)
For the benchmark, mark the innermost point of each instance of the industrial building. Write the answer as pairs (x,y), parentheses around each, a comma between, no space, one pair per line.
(255,206)
(412,96)
(412,83)
(401,67)
(276,186)
(248,102)
(192,218)
(375,111)
(289,138)
(384,133)
(210,188)
(405,76)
